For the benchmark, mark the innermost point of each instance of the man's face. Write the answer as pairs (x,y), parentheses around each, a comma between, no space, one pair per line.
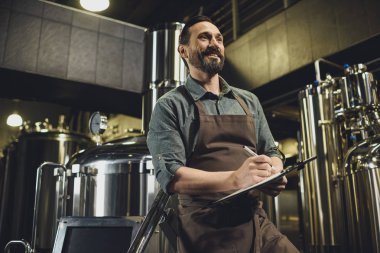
(206,49)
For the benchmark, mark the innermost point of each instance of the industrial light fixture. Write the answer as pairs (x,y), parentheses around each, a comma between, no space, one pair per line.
(14,120)
(95,5)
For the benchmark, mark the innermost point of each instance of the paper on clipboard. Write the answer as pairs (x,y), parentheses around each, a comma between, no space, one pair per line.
(297,166)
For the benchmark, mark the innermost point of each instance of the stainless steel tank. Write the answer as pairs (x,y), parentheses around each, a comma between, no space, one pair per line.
(9,161)
(362,194)
(341,190)
(358,88)
(165,69)
(113,179)
(23,157)
(319,185)
(361,164)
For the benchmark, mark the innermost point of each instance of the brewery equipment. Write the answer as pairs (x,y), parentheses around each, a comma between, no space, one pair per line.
(113,179)
(339,192)
(35,144)
(116,178)
(165,69)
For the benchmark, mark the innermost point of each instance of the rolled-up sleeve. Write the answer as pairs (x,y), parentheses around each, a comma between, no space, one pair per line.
(165,143)
(265,141)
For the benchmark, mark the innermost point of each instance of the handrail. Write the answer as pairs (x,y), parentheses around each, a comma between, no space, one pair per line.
(149,224)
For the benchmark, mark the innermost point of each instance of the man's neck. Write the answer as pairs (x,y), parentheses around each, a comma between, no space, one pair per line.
(210,83)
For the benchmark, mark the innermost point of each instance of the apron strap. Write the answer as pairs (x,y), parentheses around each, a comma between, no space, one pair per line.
(242,104)
(198,104)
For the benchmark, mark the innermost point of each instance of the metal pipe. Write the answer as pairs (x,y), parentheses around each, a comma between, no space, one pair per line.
(372,61)
(235,19)
(37,198)
(317,68)
(24,243)
(150,222)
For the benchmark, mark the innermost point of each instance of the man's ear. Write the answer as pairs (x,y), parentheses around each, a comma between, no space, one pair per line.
(182,51)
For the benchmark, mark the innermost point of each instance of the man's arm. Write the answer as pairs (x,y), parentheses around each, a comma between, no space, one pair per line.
(193,181)
(266,146)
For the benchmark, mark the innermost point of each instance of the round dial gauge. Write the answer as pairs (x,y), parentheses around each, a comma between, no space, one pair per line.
(98,123)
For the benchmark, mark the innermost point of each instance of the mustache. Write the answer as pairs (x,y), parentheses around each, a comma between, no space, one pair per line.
(212,50)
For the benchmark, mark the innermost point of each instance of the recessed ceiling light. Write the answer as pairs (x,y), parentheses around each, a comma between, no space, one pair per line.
(14,120)
(95,5)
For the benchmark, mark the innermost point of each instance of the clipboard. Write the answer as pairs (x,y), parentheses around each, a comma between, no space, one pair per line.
(297,166)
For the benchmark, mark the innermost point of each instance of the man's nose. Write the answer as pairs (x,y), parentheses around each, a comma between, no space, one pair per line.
(213,41)
(214,44)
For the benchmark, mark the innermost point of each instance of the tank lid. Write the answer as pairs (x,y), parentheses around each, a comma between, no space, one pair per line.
(355,69)
(132,149)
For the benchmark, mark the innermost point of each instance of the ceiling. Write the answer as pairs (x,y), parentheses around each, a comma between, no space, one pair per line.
(147,13)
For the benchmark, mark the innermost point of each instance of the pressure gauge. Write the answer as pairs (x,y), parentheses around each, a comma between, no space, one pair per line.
(98,123)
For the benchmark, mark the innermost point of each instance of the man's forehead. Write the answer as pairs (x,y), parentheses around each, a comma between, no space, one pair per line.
(202,27)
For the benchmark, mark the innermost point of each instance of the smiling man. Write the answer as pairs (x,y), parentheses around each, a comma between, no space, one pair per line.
(196,137)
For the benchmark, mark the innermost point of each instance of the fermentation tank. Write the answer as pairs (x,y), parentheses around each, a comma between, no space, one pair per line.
(340,191)
(34,145)
(320,188)
(361,162)
(113,179)
(165,69)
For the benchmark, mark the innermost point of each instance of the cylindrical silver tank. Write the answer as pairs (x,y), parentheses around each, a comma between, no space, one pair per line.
(361,163)
(9,162)
(358,88)
(164,64)
(319,184)
(23,157)
(362,195)
(165,69)
(340,192)
(113,179)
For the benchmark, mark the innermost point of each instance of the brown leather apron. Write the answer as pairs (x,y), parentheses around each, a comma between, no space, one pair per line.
(230,228)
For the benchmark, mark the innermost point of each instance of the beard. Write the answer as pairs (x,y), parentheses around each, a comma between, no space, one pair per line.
(211,66)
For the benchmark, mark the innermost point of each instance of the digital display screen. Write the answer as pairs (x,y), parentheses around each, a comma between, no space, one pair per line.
(97,239)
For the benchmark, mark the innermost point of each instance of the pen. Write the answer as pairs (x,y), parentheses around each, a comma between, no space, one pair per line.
(252,153)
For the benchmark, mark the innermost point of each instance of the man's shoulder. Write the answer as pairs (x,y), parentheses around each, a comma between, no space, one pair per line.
(173,97)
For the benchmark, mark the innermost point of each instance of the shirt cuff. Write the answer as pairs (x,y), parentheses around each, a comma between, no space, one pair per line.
(166,175)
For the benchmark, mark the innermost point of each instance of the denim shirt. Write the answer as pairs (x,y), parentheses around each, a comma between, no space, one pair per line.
(173,128)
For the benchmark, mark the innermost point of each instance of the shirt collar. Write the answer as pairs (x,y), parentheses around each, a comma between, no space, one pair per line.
(197,91)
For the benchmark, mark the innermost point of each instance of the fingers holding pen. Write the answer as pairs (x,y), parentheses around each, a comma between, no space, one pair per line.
(250,172)
(261,163)
(261,159)
(259,167)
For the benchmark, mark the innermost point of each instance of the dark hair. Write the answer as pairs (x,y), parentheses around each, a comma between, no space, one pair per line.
(184,37)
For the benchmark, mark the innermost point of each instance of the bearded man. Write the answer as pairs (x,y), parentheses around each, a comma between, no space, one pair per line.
(196,137)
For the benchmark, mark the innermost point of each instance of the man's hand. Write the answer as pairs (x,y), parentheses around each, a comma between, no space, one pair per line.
(253,170)
(277,186)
